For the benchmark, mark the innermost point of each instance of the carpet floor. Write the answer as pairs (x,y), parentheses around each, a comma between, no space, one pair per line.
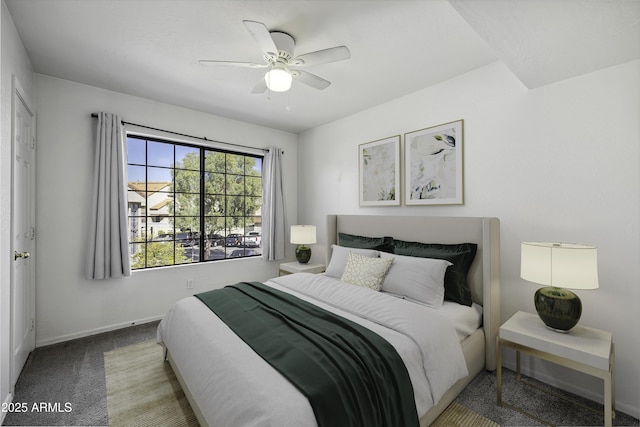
(78,378)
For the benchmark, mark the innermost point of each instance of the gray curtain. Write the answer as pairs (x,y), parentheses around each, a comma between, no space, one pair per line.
(108,254)
(273,212)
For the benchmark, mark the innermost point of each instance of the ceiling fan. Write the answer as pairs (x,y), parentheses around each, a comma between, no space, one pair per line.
(278,48)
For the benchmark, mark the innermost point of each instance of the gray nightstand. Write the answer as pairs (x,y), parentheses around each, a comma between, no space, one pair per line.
(296,267)
(584,349)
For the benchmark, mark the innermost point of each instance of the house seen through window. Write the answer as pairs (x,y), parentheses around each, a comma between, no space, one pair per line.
(189,204)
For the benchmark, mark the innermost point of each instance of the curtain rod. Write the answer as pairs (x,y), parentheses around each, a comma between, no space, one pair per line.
(203,138)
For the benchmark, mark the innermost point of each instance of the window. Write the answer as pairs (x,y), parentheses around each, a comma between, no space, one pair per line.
(189,204)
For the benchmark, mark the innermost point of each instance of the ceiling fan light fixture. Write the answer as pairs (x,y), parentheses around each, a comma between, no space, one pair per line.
(278,80)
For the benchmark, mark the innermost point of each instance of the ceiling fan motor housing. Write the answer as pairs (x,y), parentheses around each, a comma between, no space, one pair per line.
(285,44)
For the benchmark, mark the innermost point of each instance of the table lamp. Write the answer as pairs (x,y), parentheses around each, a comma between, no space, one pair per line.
(303,235)
(559,266)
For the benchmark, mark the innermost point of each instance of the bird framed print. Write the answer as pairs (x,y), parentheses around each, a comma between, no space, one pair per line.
(379,171)
(434,165)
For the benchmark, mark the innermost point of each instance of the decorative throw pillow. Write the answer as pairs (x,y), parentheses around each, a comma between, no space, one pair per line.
(366,272)
(456,285)
(419,279)
(384,244)
(340,256)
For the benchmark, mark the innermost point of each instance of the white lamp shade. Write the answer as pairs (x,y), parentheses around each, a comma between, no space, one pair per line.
(563,265)
(303,234)
(278,80)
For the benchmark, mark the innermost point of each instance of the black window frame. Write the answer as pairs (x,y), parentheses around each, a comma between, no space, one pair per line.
(201,234)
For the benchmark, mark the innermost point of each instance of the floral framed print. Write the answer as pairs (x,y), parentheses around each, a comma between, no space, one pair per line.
(434,166)
(379,171)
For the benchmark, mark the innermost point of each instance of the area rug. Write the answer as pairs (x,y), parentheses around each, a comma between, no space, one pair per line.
(457,415)
(142,390)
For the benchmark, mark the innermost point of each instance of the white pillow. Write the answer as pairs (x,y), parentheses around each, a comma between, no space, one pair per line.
(420,279)
(366,272)
(340,256)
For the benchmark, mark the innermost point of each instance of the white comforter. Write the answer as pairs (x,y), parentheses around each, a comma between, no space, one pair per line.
(233,386)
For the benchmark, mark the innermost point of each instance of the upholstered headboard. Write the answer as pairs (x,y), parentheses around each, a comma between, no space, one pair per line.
(484,275)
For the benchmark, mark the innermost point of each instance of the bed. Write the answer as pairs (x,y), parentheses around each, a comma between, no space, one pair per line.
(227,383)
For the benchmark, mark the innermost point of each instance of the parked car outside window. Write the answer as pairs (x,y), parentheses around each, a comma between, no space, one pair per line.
(187,239)
(252,239)
(234,239)
(216,239)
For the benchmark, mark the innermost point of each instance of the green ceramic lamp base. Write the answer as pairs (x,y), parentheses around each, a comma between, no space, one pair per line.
(303,254)
(558,308)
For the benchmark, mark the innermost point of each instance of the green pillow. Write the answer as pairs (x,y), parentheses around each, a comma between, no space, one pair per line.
(384,244)
(461,255)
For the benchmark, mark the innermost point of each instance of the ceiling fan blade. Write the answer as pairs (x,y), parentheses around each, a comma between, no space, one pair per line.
(332,54)
(260,87)
(261,34)
(311,79)
(232,63)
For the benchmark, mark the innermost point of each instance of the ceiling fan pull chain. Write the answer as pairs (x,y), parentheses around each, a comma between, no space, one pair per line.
(268,80)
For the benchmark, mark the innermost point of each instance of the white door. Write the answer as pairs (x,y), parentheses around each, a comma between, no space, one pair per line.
(23,336)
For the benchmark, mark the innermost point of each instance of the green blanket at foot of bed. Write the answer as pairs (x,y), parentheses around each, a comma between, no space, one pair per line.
(350,375)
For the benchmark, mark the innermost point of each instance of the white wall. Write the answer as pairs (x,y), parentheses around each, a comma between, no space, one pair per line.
(557,163)
(13,62)
(68,305)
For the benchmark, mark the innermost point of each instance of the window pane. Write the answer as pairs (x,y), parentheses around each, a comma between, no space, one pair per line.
(136,151)
(136,229)
(187,254)
(215,252)
(214,225)
(187,181)
(235,184)
(159,254)
(137,253)
(235,163)
(187,157)
(159,154)
(253,186)
(214,205)
(136,173)
(235,205)
(187,204)
(186,225)
(136,195)
(235,224)
(214,183)
(253,166)
(163,233)
(159,175)
(161,207)
(252,206)
(182,255)
(214,161)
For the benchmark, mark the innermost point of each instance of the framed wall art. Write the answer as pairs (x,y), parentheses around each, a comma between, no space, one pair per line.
(434,166)
(379,172)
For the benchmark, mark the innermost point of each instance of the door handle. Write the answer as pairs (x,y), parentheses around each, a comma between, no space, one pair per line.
(17,255)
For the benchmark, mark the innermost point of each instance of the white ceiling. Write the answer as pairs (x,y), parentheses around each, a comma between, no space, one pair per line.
(151,48)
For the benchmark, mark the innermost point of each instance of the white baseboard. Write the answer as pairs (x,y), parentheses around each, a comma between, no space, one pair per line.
(108,328)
